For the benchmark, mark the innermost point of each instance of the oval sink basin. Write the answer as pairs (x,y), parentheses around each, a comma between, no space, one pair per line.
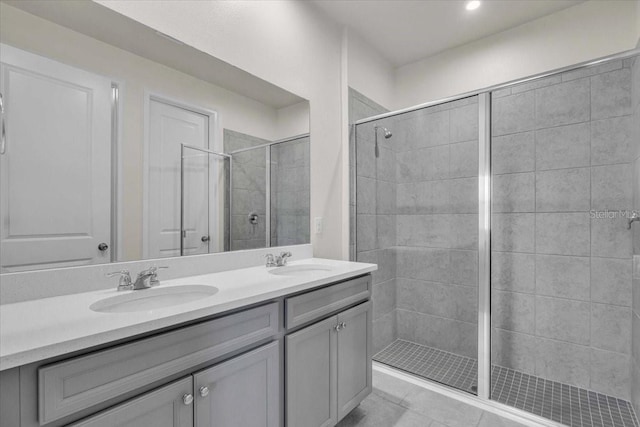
(151,299)
(300,270)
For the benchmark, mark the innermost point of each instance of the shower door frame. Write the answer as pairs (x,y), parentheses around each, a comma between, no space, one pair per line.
(484,224)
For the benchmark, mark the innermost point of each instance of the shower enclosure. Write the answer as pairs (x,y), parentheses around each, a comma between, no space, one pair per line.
(500,224)
(254,195)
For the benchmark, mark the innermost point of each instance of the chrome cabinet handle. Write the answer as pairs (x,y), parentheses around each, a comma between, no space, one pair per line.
(204,391)
(103,247)
(343,325)
(187,399)
(205,238)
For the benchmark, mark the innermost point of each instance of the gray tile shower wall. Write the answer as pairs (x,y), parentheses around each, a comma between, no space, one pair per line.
(373,247)
(635,150)
(436,153)
(562,158)
(290,193)
(248,186)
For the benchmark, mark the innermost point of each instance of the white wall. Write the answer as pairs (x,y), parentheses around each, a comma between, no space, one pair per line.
(287,43)
(292,120)
(587,31)
(369,72)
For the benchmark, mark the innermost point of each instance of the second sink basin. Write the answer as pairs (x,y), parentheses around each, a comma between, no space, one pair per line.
(151,299)
(300,270)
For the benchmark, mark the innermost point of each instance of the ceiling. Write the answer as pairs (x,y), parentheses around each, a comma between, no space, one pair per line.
(404,31)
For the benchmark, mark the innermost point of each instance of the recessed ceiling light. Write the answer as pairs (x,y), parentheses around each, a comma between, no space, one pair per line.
(473,5)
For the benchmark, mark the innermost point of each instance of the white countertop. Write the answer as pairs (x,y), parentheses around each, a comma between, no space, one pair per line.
(35,330)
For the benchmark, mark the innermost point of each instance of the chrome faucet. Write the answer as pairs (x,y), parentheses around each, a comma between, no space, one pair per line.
(145,280)
(124,284)
(277,260)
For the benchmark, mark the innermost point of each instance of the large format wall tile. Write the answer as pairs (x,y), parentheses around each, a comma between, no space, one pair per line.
(563,362)
(513,271)
(612,140)
(611,281)
(610,187)
(513,114)
(563,276)
(513,232)
(463,159)
(513,153)
(562,104)
(423,165)
(464,267)
(610,237)
(611,94)
(611,327)
(424,264)
(562,233)
(427,197)
(563,147)
(564,190)
(514,192)
(563,319)
(424,230)
(464,123)
(513,350)
(610,373)
(513,311)
(463,195)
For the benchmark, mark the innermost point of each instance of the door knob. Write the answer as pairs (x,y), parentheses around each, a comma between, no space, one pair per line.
(187,399)
(103,247)
(205,238)
(204,391)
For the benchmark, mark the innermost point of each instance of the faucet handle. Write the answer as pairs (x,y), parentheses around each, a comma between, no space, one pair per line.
(283,258)
(271,261)
(124,284)
(151,270)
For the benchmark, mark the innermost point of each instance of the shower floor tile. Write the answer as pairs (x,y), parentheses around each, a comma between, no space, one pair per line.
(563,403)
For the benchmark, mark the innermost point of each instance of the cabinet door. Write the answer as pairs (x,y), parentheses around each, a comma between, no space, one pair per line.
(354,357)
(244,391)
(311,375)
(168,406)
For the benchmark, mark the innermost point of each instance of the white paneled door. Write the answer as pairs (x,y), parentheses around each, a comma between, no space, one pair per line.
(55,190)
(170,126)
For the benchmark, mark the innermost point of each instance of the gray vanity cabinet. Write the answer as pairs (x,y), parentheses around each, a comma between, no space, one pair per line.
(243,391)
(168,406)
(328,368)
(354,357)
(312,359)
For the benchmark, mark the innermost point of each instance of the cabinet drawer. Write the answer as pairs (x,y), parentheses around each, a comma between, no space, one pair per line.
(158,408)
(313,305)
(75,384)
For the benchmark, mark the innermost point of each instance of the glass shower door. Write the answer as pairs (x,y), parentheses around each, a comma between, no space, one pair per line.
(417,218)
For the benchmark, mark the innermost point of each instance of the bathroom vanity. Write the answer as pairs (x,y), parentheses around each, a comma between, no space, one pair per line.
(270,350)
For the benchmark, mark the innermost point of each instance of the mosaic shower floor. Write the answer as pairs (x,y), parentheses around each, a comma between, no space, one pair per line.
(563,403)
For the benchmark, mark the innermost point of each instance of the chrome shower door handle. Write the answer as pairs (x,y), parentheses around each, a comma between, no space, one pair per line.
(3,132)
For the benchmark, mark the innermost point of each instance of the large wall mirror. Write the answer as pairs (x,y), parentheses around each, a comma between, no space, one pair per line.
(120,143)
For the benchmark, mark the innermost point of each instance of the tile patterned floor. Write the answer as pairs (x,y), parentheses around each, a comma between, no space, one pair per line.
(572,406)
(397,403)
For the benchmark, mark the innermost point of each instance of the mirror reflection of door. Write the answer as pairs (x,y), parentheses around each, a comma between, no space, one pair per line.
(55,185)
(169,127)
